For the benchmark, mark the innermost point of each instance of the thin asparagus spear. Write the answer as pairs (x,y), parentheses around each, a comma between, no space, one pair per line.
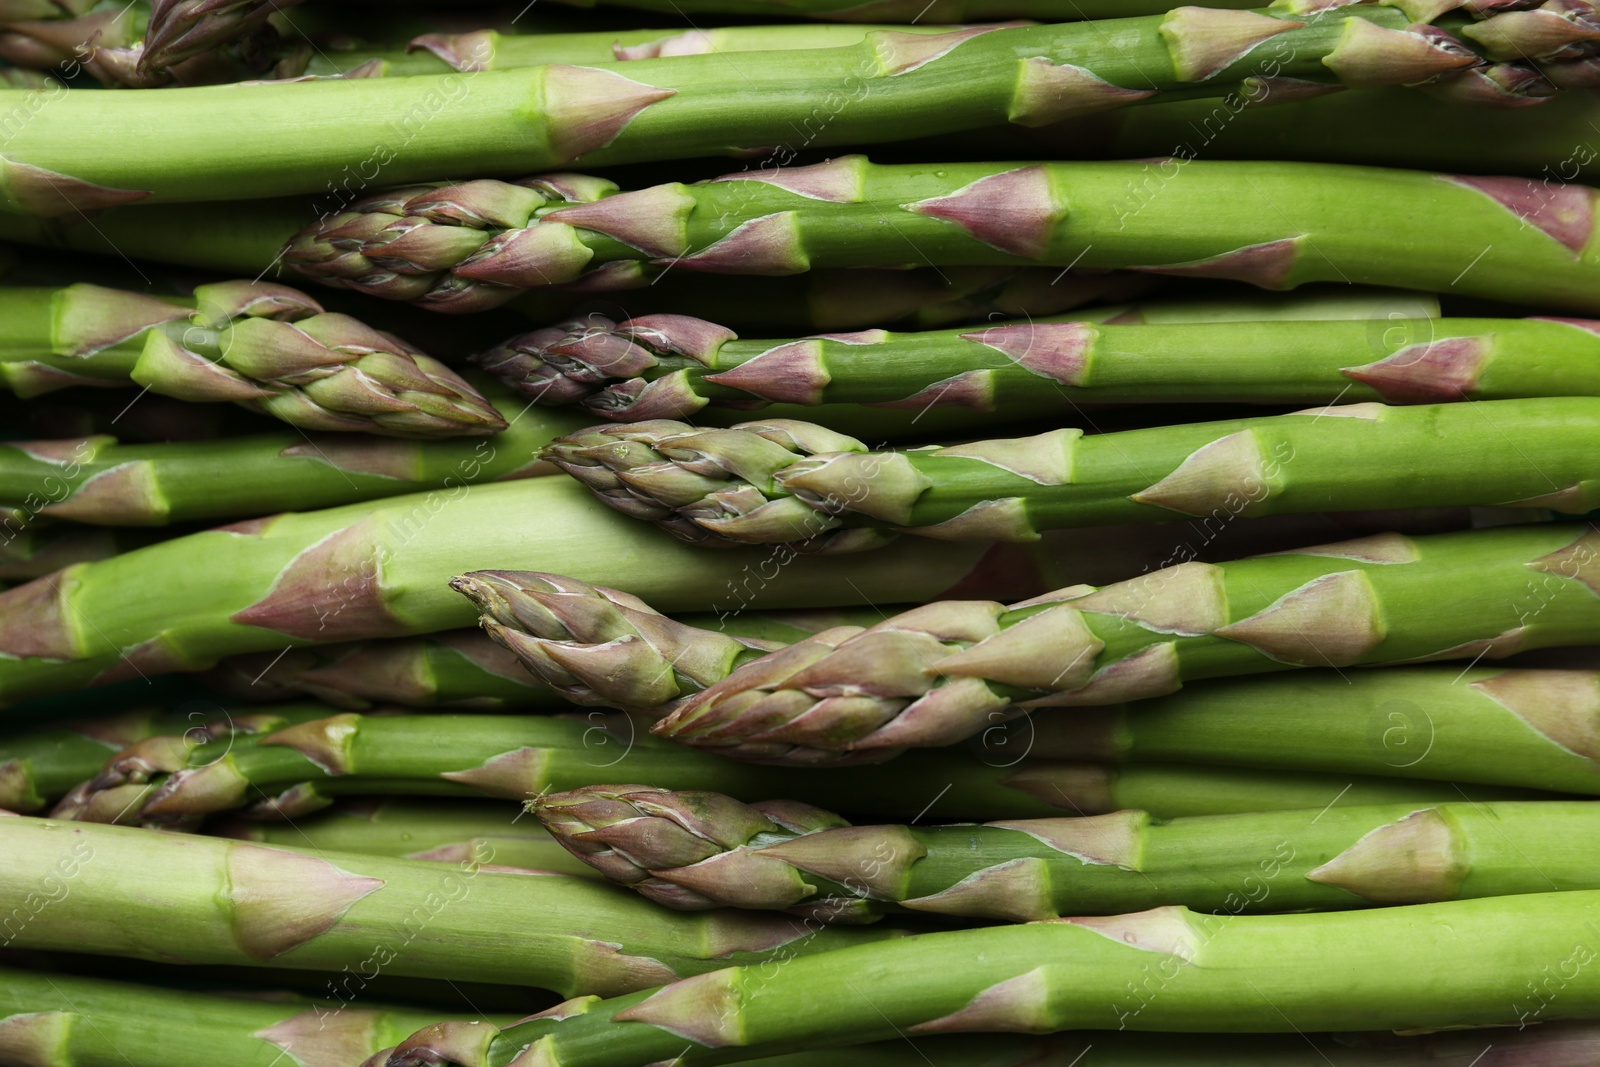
(50,1019)
(152,895)
(787,482)
(365,571)
(672,366)
(476,245)
(697,851)
(302,768)
(1421,967)
(947,671)
(37,767)
(436,829)
(99,480)
(266,346)
(93,153)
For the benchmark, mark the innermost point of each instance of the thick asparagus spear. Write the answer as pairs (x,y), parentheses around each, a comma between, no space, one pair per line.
(1425,966)
(300,769)
(696,851)
(1527,728)
(60,1020)
(152,895)
(464,247)
(266,346)
(437,829)
(948,670)
(891,86)
(670,366)
(99,480)
(790,482)
(366,571)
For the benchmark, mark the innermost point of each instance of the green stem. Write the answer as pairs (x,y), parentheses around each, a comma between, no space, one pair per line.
(205,900)
(695,851)
(301,768)
(1246,221)
(1423,967)
(309,136)
(948,671)
(36,768)
(98,480)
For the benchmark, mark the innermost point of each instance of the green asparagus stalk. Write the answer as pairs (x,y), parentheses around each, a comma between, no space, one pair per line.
(38,767)
(789,482)
(99,480)
(30,550)
(1493,961)
(1525,728)
(892,86)
(905,11)
(210,900)
(468,668)
(671,366)
(59,1020)
(697,851)
(265,346)
(437,829)
(948,670)
(179,781)
(464,247)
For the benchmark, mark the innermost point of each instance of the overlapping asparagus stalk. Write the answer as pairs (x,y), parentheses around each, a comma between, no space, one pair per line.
(466,247)
(36,768)
(33,549)
(789,482)
(697,851)
(437,829)
(1420,967)
(99,480)
(891,86)
(949,670)
(365,571)
(266,346)
(60,1020)
(177,782)
(670,367)
(209,900)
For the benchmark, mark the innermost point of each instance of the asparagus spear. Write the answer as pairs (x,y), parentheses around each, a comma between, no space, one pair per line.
(671,366)
(300,769)
(466,668)
(465,247)
(946,671)
(1507,727)
(210,900)
(437,829)
(183,29)
(790,482)
(891,86)
(1420,967)
(696,851)
(37,767)
(266,346)
(365,571)
(99,480)
(30,550)
(60,1020)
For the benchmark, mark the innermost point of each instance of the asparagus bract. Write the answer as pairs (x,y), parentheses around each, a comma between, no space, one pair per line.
(475,245)
(891,86)
(696,851)
(948,670)
(151,895)
(1418,967)
(177,782)
(366,571)
(670,366)
(265,346)
(102,481)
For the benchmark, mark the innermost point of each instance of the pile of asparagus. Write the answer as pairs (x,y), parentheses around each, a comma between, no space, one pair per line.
(1070,543)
